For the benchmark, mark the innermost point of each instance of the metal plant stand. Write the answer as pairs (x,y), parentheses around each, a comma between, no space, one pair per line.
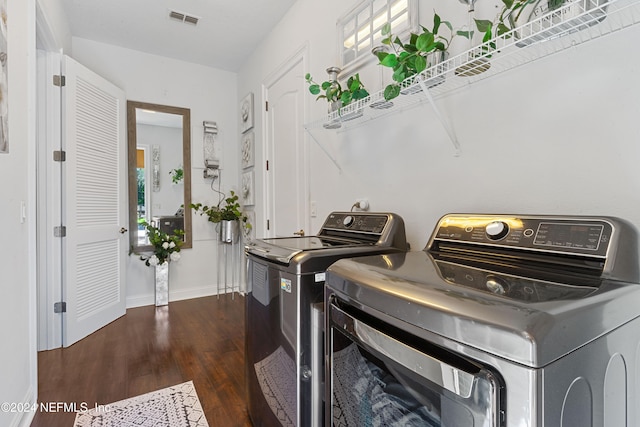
(229,258)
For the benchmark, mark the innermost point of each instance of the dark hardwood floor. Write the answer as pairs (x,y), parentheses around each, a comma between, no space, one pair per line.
(151,348)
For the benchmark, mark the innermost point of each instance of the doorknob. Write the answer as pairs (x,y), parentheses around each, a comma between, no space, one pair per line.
(123,230)
(299,233)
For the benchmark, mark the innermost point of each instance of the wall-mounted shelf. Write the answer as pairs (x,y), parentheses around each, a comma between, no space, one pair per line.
(583,21)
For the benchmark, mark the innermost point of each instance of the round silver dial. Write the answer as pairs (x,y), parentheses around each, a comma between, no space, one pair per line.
(348,221)
(496,285)
(496,230)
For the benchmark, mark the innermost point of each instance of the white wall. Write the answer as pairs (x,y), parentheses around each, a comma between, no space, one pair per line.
(18,364)
(211,95)
(555,136)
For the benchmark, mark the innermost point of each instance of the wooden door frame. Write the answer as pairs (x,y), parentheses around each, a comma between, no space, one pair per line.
(300,55)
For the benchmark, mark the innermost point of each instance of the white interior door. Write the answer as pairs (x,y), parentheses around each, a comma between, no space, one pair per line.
(94,202)
(287,174)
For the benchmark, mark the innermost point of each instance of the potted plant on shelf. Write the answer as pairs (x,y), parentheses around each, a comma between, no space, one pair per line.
(337,96)
(228,216)
(516,13)
(422,53)
(166,248)
(502,25)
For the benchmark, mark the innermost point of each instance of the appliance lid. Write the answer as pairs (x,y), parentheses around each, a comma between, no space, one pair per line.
(342,234)
(522,319)
(284,249)
(310,243)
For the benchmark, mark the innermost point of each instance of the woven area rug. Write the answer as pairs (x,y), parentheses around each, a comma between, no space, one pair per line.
(176,406)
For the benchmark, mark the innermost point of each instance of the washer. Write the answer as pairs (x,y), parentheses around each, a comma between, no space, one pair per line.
(285,312)
(502,320)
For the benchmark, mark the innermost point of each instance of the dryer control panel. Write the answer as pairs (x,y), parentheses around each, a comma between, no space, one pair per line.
(378,228)
(356,222)
(581,236)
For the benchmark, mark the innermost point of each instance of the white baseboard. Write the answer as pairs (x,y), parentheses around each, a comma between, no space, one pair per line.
(193,293)
(140,300)
(24,419)
(149,299)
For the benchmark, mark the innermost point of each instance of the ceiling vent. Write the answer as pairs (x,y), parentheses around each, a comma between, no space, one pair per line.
(183,17)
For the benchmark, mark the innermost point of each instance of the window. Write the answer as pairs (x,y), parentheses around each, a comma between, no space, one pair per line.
(359,30)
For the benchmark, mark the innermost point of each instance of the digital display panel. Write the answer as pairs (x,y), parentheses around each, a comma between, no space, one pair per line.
(578,236)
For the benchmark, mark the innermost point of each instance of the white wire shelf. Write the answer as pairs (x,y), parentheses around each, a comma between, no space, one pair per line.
(572,24)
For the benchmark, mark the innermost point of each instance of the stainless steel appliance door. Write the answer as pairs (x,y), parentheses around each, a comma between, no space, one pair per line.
(380,375)
(284,347)
(270,349)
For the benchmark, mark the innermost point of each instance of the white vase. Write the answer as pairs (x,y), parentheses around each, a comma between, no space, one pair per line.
(162,284)
(333,123)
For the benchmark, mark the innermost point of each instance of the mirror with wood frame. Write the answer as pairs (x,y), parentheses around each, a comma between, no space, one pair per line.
(159,143)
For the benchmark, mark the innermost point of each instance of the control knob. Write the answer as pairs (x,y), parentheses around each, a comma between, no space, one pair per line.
(348,221)
(497,285)
(496,230)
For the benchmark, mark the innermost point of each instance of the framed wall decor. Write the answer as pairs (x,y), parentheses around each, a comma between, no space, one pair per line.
(249,234)
(247,147)
(247,188)
(246,113)
(155,171)
(4,107)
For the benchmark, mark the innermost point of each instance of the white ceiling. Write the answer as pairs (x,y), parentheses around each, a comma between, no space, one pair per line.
(228,31)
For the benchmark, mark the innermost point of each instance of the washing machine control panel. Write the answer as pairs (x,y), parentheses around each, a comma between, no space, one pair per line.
(356,222)
(546,234)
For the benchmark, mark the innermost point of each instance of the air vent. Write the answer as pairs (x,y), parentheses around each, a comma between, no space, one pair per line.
(183,17)
(190,19)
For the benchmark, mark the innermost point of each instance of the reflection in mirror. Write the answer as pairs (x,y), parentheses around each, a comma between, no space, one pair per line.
(159,171)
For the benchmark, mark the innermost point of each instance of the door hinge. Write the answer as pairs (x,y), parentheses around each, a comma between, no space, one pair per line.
(60,231)
(266,105)
(60,307)
(267,164)
(59,80)
(268,228)
(59,156)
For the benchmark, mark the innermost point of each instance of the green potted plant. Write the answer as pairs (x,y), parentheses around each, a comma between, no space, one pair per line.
(503,23)
(516,13)
(337,96)
(177,175)
(421,53)
(227,213)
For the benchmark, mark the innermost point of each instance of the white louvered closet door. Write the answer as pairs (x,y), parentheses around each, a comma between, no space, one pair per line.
(94,201)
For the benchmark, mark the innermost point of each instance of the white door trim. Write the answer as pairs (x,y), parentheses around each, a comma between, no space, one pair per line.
(49,202)
(48,196)
(300,55)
